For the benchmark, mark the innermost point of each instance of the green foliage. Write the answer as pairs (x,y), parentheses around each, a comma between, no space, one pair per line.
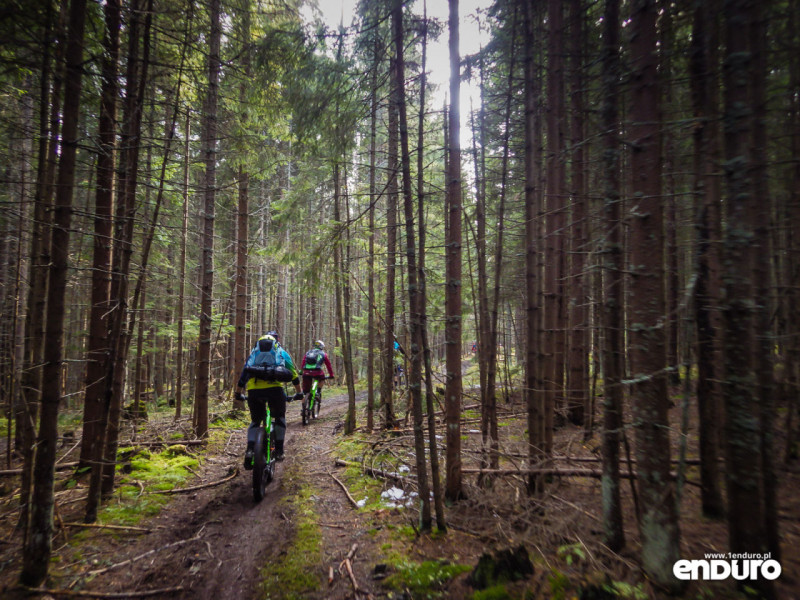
(559,585)
(496,592)
(426,579)
(626,590)
(146,472)
(571,553)
(162,471)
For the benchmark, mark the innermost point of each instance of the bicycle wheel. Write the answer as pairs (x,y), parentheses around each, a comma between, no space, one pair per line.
(270,470)
(261,466)
(304,410)
(317,402)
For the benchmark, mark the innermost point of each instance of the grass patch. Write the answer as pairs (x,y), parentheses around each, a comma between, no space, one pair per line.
(296,573)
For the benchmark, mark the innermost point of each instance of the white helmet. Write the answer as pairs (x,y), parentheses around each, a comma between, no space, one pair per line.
(319,344)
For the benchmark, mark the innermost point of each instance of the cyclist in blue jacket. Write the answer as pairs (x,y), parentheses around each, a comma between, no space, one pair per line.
(262,391)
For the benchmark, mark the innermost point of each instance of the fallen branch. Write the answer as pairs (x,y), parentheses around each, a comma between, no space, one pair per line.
(377,473)
(170,443)
(557,473)
(347,493)
(130,561)
(196,487)
(114,527)
(67,453)
(87,594)
(60,467)
(590,459)
(351,555)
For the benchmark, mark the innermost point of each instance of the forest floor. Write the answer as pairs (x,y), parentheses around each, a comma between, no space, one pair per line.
(308,540)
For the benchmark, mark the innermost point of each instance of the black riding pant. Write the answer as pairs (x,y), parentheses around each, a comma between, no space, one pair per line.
(257,401)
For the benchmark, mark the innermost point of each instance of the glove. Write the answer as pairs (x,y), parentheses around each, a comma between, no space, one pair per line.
(298,396)
(240,396)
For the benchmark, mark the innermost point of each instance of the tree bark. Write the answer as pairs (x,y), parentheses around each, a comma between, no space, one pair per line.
(453,484)
(580,408)
(40,261)
(182,269)
(387,382)
(97,348)
(658,519)
(533,399)
(613,302)
(36,552)
(702,72)
(433,445)
(207,289)
(762,257)
(749,503)
(414,300)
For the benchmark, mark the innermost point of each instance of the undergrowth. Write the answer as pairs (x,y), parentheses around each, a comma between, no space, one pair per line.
(427,579)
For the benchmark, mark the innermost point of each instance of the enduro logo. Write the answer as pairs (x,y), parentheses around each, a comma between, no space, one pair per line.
(721,566)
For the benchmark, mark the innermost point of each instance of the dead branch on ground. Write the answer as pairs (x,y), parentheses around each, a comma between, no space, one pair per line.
(88,594)
(130,561)
(196,487)
(347,493)
(114,527)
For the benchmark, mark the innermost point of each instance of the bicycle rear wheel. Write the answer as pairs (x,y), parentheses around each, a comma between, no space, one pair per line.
(270,470)
(261,466)
(315,408)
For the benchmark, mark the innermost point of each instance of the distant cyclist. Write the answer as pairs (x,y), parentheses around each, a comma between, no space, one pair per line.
(313,362)
(268,367)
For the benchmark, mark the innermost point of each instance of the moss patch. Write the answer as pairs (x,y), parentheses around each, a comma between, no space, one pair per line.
(424,580)
(146,471)
(296,573)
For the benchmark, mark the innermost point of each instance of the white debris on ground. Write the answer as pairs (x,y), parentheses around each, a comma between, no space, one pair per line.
(394,497)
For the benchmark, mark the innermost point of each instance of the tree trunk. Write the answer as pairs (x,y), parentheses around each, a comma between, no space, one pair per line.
(554,220)
(182,270)
(391,258)
(659,521)
(746,510)
(613,302)
(27,412)
(533,399)
(433,445)
(36,552)
(702,71)
(580,409)
(414,299)
(764,339)
(97,348)
(240,283)
(136,80)
(207,288)
(453,391)
(372,336)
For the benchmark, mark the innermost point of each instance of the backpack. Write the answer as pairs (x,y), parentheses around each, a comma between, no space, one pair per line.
(267,362)
(313,359)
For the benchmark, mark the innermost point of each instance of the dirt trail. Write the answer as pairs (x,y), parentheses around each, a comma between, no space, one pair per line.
(215,542)
(231,538)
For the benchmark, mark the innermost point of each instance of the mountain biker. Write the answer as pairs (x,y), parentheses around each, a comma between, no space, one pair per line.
(398,364)
(313,362)
(263,391)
